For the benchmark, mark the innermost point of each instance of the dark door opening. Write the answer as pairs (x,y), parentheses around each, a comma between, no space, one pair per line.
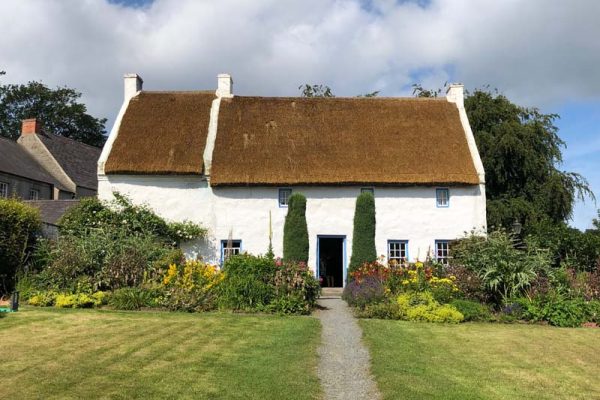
(331,261)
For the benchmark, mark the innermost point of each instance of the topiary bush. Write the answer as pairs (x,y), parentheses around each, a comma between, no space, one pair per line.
(295,230)
(18,225)
(363,237)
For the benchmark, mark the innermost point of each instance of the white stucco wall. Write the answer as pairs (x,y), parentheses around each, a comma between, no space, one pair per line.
(402,213)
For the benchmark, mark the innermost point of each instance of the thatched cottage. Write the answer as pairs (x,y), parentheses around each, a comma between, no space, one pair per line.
(231,162)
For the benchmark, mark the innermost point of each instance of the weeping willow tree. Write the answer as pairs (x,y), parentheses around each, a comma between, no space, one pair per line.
(521,152)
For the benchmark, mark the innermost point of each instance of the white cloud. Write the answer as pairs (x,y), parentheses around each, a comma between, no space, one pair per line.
(536,51)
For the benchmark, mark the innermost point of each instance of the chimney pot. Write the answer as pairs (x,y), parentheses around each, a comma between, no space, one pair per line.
(133,84)
(224,85)
(456,94)
(30,126)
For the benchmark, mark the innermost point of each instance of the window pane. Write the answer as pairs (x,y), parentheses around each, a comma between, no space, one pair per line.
(284,197)
(442,251)
(397,251)
(442,197)
(230,248)
(3,189)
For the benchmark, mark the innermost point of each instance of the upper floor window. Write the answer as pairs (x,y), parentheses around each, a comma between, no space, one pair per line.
(442,197)
(442,251)
(284,197)
(368,190)
(3,189)
(230,248)
(34,194)
(397,251)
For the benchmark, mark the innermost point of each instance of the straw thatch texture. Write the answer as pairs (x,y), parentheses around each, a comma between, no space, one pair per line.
(294,141)
(162,133)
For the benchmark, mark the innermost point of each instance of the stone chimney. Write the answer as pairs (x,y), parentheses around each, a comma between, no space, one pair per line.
(133,84)
(30,126)
(456,94)
(224,85)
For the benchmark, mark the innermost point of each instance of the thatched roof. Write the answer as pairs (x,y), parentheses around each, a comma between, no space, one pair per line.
(162,133)
(294,141)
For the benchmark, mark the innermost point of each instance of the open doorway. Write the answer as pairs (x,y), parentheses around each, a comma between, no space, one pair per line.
(330,255)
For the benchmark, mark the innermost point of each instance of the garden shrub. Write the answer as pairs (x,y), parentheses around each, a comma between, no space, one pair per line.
(132,298)
(296,288)
(43,299)
(360,292)
(557,311)
(122,215)
(382,310)
(468,283)
(295,230)
(594,311)
(247,284)
(190,286)
(18,225)
(505,270)
(421,306)
(472,310)
(363,236)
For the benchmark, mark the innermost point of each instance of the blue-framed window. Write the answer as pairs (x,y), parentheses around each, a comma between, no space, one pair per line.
(230,248)
(284,196)
(442,197)
(368,190)
(397,251)
(442,251)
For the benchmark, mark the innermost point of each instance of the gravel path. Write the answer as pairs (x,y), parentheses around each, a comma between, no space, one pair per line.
(343,359)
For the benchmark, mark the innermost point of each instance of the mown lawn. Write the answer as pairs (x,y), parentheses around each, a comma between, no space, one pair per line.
(483,361)
(89,354)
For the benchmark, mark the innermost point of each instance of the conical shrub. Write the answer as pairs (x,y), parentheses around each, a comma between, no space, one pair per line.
(363,238)
(295,231)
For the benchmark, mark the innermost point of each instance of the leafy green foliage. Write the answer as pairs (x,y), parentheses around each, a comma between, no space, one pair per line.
(472,310)
(126,217)
(557,310)
(247,282)
(505,270)
(131,298)
(259,283)
(18,224)
(315,90)
(295,230)
(59,110)
(363,237)
(567,246)
(421,306)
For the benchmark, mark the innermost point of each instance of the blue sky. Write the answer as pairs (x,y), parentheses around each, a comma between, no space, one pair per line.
(537,53)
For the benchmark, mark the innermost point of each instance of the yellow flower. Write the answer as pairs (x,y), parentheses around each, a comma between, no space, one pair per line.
(405,282)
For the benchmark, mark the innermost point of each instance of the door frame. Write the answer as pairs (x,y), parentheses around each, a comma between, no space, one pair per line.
(344,260)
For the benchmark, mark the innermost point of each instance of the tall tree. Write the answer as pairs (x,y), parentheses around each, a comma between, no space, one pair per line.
(521,153)
(58,109)
(363,236)
(295,230)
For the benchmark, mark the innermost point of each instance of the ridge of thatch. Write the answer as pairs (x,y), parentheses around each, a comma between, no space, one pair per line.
(322,141)
(162,133)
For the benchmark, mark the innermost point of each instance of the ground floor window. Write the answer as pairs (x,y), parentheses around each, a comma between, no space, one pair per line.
(230,248)
(3,189)
(397,251)
(34,194)
(442,251)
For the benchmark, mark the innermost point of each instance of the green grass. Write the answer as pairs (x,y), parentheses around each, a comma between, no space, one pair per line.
(483,361)
(87,354)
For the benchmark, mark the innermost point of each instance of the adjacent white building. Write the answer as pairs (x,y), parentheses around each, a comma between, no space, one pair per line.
(230,163)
